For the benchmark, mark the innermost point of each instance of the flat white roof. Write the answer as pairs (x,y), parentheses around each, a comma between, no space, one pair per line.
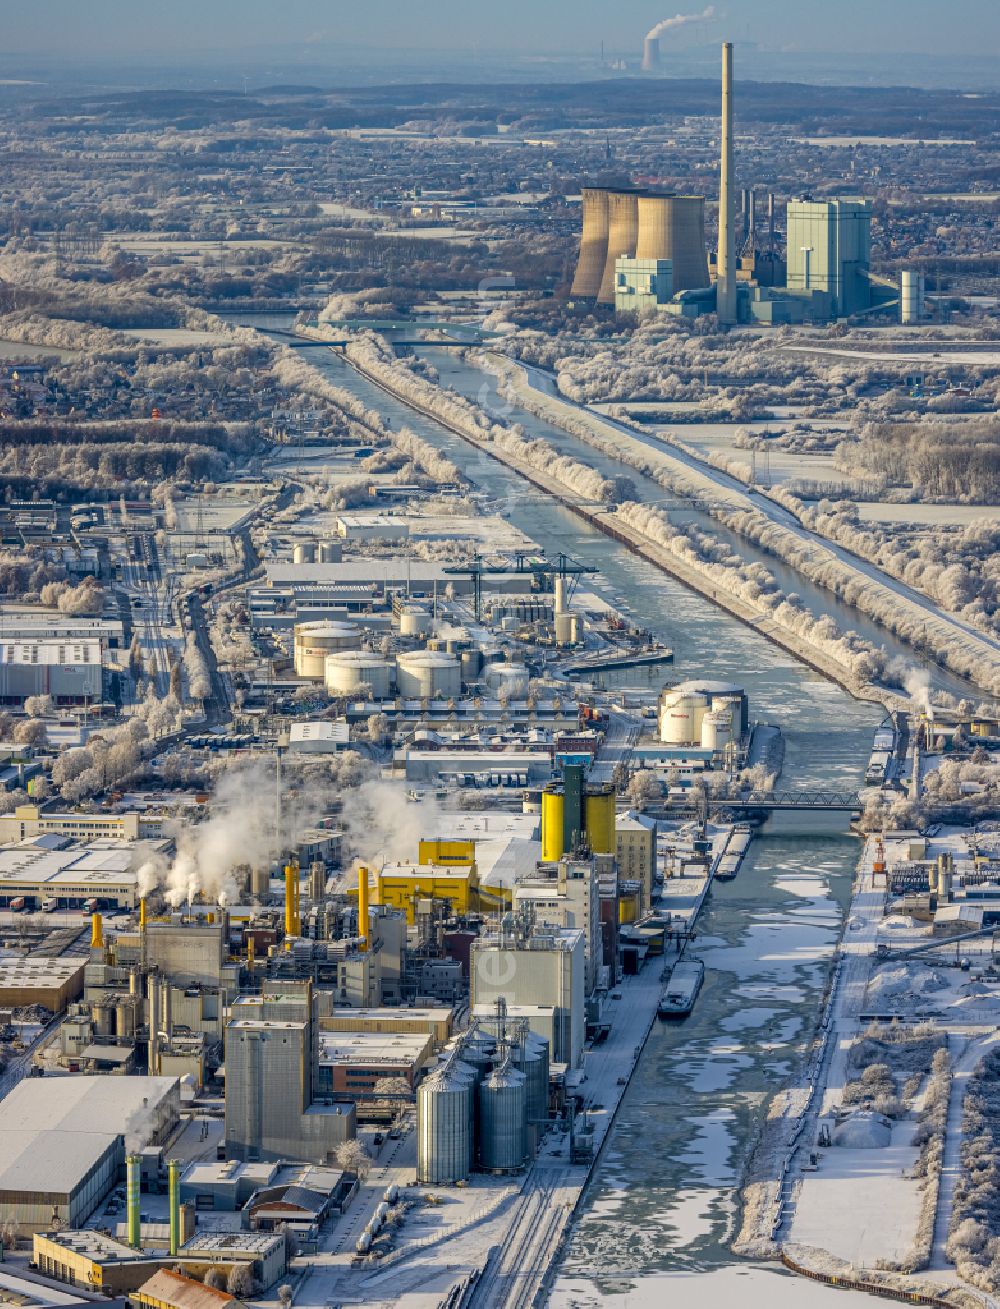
(371,1047)
(77,1104)
(49,1161)
(103,863)
(323,730)
(39,970)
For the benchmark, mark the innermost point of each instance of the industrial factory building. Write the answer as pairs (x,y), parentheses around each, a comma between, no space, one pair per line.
(61,1145)
(828,250)
(71,672)
(55,868)
(352,1063)
(51,983)
(642,226)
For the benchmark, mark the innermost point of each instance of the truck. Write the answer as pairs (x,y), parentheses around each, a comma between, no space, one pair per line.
(50,905)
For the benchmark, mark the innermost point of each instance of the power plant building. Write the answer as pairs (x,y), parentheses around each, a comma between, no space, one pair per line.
(642,286)
(828,250)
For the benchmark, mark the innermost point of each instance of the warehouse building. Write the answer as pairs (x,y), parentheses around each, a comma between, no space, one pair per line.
(61,1146)
(51,983)
(71,672)
(57,868)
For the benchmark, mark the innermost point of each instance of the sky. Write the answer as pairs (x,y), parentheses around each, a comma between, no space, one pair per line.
(166,29)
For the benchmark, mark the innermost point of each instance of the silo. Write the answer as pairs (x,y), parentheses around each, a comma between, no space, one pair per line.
(345,672)
(260,881)
(314,641)
(552,825)
(423,674)
(623,235)
(566,628)
(716,729)
(330,552)
(673,227)
(533,1061)
(593,243)
(599,818)
(304,553)
(414,621)
(444,1127)
(125,1018)
(911,296)
(471,664)
(500,675)
(503,1121)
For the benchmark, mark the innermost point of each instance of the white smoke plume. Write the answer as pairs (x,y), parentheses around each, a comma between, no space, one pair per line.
(241,829)
(678,20)
(386,828)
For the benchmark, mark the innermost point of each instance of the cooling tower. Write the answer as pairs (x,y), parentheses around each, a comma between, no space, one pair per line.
(593,243)
(623,235)
(651,54)
(673,227)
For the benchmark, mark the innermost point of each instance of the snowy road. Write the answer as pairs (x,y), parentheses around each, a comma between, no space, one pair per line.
(741,497)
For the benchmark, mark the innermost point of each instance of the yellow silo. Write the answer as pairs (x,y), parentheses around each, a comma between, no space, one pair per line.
(599,819)
(552,826)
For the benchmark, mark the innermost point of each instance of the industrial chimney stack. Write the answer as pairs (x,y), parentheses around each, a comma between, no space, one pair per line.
(651,54)
(725,287)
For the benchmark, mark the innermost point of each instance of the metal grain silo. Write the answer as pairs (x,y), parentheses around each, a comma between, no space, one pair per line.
(673,227)
(623,235)
(593,242)
(533,1061)
(444,1126)
(503,1120)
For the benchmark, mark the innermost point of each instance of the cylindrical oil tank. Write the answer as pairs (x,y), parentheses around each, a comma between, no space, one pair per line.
(565,624)
(673,227)
(304,552)
(716,729)
(623,234)
(315,640)
(346,671)
(471,664)
(680,720)
(330,552)
(500,675)
(593,242)
(503,1120)
(423,674)
(414,621)
(444,1127)
(552,825)
(599,818)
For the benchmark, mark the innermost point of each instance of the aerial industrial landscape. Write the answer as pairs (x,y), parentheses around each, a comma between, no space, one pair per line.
(499,662)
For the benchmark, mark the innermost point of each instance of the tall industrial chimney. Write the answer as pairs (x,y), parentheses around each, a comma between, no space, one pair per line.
(174,1195)
(651,54)
(133,1165)
(725,287)
(363,924)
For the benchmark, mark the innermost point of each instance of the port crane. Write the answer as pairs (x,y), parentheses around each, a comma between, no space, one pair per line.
(537,566)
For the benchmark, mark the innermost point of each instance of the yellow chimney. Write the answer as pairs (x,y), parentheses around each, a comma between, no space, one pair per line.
(292,922)
(96,932)
(363,906)
(142,914)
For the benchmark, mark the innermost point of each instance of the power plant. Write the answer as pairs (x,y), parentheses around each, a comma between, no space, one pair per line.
(642,225)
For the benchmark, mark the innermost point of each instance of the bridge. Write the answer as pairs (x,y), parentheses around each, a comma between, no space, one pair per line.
(840,801)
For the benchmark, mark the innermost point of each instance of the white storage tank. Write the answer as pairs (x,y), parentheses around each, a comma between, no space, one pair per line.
(423,674)
(681,716)
(304,552)
(911,296)
(314,641)
(717,729)
(414,621)
(345,672)
(330,552)
(500,675)
(565,629)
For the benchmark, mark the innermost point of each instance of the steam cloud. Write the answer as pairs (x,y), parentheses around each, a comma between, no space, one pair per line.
(240,830)
(678,20)
(386,828)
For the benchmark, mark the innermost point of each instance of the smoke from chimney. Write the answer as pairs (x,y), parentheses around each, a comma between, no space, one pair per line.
(678,20)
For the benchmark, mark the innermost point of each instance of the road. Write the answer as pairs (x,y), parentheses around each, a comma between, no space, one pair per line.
(619,741)
(742,496)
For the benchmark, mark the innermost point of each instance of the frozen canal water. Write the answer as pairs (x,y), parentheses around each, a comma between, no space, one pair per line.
(661,1207)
